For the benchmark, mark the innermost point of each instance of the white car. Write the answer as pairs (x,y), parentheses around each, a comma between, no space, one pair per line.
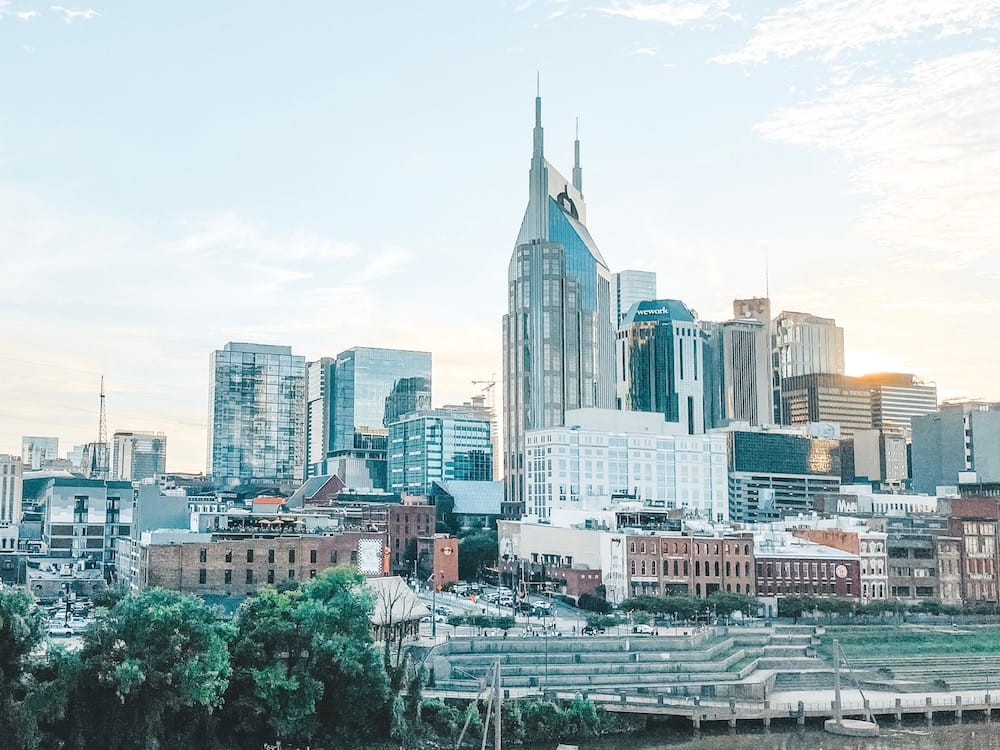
(643,629)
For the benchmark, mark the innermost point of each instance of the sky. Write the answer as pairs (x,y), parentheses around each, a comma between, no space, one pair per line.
(174,176)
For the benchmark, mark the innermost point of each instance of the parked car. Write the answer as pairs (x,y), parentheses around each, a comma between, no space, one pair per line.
(593,630)
(643,629)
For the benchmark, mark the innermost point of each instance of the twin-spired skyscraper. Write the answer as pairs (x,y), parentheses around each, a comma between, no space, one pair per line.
(559,339)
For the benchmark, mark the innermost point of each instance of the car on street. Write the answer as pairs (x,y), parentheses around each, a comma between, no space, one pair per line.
(593,630)
(643,629)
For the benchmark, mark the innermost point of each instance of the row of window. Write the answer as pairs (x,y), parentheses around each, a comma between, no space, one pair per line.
(250,553)
(709,548)
(227,576)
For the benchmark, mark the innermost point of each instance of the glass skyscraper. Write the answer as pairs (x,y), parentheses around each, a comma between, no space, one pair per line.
(374,387)
(138,455)
(257,415)
(630,287)
(558,332)
(661,361)
(439,445)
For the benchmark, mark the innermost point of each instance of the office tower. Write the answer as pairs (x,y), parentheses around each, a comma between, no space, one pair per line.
(661,363)
(804,344)
(373,387)
(11,469)
(257,410)
(451,443)
(36,451)
(774,474)
(319,414)
(959,443)
(808,344)
(601,456)
(138,455)
(839,399)
(558,333)
(738,372)
(897,397)
(630,287)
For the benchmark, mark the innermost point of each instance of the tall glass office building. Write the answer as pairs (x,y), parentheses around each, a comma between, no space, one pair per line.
(439,445)
(257,406)
(138,455)
(661,361)
(558,332)
(374,387)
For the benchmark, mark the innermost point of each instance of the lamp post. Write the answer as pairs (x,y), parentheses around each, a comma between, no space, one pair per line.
(432,579)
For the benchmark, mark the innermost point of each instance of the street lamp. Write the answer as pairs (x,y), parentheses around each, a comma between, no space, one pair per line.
(432,579)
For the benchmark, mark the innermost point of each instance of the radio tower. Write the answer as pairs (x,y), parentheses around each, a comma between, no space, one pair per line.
(99,461)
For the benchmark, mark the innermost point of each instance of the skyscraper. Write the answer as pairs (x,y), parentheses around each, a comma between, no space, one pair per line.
(738,372)
(319,414)
(897,397)
(35,451)
(558,332)
(630,287)
(661,354)
(10,500)
(451,443)
(804,344)
(374,387)
(257,408)
(959,443)
(138,455)
(823,397)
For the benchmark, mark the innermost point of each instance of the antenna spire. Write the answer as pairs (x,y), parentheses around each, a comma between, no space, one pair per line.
(767,276)
(577,170)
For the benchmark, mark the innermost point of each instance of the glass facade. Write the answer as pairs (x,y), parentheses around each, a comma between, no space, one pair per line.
(777,453)
(258,415)
(138,455)
(439,445)
(371,388)
(558,332)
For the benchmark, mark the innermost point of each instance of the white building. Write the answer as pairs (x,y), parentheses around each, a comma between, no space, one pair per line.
(602,455)
(10,500)
(36,451)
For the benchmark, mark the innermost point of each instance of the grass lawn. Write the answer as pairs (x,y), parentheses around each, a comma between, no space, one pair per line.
(870,641)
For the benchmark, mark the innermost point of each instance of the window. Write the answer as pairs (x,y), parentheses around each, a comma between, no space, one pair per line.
(291,555)
(354,557)
(250,577)
(270,555)
(312,573)
(228,576)
(333,557)
(229,555)
(291,575)
(312,555)
(270,576)
(203,556)
(202,576)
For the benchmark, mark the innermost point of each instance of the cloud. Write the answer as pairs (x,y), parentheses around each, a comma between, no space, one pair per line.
(832,27)
(71,14)
(926,146)
(671,12)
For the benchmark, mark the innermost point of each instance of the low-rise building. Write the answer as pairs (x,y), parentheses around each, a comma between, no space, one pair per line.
(696,565)
(789,566)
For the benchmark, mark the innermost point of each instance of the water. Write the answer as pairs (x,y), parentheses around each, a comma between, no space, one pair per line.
(906,736)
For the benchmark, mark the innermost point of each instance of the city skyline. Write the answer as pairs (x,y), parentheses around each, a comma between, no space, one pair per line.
(150,212)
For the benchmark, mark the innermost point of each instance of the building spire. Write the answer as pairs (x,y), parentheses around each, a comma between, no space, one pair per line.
(538,135)
(577,169)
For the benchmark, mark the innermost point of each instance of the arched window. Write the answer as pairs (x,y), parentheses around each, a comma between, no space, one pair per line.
(631,547)
(729,588)
(716,567)
(728,571)
(737,588)
(685,548)
(652,568)
(644,567)
(642,547)
(746,549)
(633,567)
(697,567)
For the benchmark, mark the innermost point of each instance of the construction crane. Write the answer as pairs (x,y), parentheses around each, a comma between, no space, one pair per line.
(488,386)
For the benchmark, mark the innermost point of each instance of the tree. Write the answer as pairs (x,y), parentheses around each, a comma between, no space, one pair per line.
(155,663)
(305,666)
(475,551)
(21,630)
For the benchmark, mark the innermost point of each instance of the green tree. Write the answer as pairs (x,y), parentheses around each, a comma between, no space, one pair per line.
(305,667)
(475,551)
(21,631)
(153,668)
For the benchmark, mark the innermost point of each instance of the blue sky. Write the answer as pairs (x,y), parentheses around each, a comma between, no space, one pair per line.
(174,176)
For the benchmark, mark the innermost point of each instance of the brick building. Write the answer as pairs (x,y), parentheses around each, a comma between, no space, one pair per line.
(660,565)
(233,565)
(870,546)
(789,566)
(975,522)
(437,555)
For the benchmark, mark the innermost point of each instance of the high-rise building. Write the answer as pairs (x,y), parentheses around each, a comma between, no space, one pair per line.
(257,413)
(36,451)
(11,468)
(319,414)
(558,332)
(373,387)
(959,443)
(738,371)
(808,344)
(630,287)
(660,362)
(839,399)
(438,445)
(601,456)
(897,397)
(773,474)
(138,455)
